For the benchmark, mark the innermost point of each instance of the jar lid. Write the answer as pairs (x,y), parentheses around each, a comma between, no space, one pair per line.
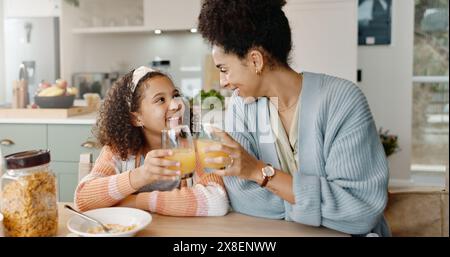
(27,159)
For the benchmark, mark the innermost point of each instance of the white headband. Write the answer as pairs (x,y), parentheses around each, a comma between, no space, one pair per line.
(138,74)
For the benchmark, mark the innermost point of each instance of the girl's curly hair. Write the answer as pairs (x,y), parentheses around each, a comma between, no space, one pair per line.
(240,25)
(114,126)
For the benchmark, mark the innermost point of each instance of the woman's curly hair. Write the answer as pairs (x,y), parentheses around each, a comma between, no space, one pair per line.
(240,25)
(114,126)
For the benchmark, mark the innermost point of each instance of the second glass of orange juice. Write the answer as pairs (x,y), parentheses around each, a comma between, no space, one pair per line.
(206,139)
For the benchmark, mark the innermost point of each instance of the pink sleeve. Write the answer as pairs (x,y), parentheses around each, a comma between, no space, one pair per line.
(103,187)
(206,198)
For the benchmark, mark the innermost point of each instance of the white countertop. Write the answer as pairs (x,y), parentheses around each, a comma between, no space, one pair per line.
(86,119)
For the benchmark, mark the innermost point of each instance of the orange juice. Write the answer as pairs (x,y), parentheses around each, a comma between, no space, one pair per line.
(201,145)
(186,157)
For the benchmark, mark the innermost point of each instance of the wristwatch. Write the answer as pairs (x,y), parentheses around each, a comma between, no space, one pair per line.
(267,172)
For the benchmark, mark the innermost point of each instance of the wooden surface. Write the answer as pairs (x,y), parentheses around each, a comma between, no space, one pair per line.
(418,211)
(231,225)
(44,113)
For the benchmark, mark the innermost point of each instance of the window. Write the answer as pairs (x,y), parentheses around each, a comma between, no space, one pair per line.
(430,126)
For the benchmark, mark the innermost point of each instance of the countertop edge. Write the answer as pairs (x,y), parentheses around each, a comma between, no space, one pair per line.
(83,119)
(49,121)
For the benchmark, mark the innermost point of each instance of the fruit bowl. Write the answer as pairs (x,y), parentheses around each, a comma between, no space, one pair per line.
(62,101)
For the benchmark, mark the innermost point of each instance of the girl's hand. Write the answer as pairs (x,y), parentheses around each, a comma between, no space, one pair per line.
(240,162)
(155,168)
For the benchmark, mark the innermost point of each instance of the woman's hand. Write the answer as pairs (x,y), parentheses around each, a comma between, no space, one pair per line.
(240,162)
(246,166)
(155,168)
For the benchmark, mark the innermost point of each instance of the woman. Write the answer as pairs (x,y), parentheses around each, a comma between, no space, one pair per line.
(303,147)
(131,169)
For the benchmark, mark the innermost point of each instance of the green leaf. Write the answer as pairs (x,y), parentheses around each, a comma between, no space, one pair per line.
(75,3)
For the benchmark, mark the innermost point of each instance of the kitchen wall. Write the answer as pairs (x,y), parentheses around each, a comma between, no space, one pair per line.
(387,82)
(2,54)
(324,36)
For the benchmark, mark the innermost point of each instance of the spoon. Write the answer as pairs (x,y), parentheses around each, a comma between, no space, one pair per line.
(105,228)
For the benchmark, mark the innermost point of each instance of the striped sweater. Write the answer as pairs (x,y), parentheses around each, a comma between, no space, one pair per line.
(108,183)
(343,175)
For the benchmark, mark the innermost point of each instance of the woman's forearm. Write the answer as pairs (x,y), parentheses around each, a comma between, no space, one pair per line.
(280,184)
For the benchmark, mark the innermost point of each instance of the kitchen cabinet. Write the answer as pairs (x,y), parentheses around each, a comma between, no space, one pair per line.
(104,16)
(65,141)
(136,16)
(67,179)
(32,8)
(171,14)
(21,137)
(325,36)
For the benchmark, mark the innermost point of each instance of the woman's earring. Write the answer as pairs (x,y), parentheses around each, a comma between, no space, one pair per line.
(258,72)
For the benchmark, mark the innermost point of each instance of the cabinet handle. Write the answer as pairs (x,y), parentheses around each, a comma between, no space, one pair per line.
(88,144)
(6,142)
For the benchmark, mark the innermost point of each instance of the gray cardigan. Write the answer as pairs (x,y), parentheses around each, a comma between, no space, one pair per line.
(343,172)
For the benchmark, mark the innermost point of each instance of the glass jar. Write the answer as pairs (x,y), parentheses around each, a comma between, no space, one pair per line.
(28,202)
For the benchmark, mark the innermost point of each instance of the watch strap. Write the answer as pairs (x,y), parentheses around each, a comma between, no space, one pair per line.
(264,183)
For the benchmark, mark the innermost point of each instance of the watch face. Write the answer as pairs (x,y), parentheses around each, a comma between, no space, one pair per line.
(268,171)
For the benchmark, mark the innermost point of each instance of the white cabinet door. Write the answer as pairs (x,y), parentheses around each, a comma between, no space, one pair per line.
(324,35)
(32,8)
(171,14)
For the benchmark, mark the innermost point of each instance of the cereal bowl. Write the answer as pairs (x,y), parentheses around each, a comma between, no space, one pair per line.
(126,222)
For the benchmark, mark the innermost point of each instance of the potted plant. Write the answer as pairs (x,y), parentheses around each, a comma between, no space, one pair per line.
(389,141)
(203,103)
(75,3)
(211,95)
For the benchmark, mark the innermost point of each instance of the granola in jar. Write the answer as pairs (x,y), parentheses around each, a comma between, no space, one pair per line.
(29,199)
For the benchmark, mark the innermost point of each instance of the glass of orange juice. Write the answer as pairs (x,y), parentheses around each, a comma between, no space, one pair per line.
(207,138)
(179,140)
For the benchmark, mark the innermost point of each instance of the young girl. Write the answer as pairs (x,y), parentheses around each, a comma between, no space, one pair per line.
(131,164)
